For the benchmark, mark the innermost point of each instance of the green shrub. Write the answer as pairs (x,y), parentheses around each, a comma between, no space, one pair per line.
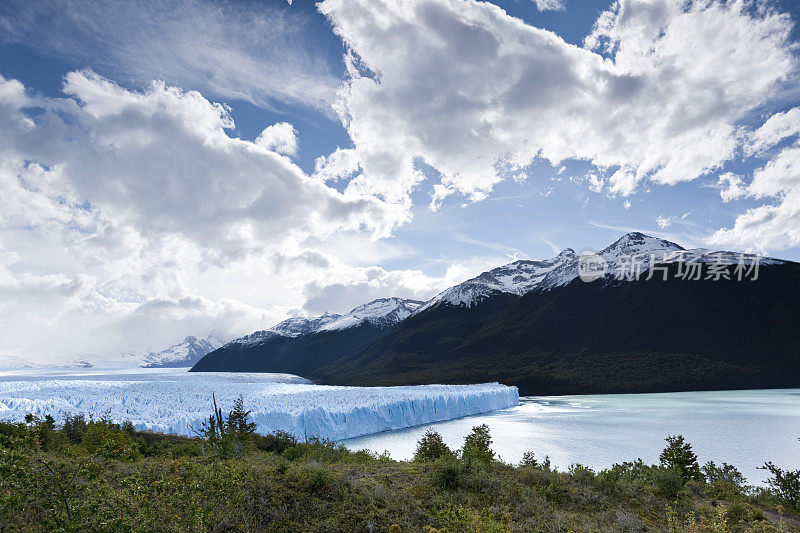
(277,442)
(74,427)
(447,472)
(785,484)
(667,481)
(471,520)
(431,447)
(110,441)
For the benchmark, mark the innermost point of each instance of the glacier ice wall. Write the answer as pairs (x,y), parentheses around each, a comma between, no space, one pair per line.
(176,401)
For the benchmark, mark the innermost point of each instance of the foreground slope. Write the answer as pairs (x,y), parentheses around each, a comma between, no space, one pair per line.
(103,477)
(605,336)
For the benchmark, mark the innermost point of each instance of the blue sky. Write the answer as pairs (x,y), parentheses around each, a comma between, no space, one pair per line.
(473,137)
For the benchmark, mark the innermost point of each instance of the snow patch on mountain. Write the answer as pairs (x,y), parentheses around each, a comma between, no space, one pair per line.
(11,362)
(291,327)
(381,313)
(517,278)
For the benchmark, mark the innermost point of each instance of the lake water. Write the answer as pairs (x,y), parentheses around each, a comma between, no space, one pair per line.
(743,428)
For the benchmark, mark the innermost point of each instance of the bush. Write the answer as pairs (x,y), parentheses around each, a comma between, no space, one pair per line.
(725,473)
(431,447)
(477,446)
(785,484)
(667,481)
(679,455)
(110,441)
(277,442)
(74,428)
(447,472)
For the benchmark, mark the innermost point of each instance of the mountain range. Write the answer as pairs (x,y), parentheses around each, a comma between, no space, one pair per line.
(540,326)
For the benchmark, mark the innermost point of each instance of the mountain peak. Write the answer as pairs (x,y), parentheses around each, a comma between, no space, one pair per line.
(185,353)
(636,242)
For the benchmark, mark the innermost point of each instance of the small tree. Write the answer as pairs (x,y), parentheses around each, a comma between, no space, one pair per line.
(477,446)
(529,460)
(216,432)
(230,434)
(431,447)
(239,424)
(784,483)
(679,455)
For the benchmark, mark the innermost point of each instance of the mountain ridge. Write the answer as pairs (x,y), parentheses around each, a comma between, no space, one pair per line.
(465,333)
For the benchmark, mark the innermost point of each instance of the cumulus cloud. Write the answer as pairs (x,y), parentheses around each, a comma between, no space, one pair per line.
(161,160)
(775,225)
(732,187)
(657,92)
(230,50)
(126,216)
(772,226)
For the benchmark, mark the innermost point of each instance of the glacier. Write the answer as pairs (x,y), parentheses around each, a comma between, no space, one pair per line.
(176,401)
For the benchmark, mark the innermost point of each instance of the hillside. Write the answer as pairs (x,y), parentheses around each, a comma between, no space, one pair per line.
(636,336)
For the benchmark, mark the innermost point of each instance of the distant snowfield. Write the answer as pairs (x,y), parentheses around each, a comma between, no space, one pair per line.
(176,401)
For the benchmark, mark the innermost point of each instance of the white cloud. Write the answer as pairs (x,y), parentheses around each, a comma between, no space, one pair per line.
(732,187)
(280,137)
(265,55)
(664,222)
(131,218)
(549,5)
(657,93)
(777,128)
(773,226)
(596,182)
(340,164)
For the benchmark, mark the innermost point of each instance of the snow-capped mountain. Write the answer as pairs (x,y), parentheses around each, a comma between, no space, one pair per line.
(185,353)
(630,255)
(382,313)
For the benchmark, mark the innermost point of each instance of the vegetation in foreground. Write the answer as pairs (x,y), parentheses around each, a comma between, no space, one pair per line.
(94,475)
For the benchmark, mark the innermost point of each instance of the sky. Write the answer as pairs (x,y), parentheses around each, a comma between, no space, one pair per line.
(177,167)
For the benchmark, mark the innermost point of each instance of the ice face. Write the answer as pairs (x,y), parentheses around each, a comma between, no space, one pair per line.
(176,401)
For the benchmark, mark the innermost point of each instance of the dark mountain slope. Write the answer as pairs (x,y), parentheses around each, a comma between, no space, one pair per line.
(300,355)
(635,336)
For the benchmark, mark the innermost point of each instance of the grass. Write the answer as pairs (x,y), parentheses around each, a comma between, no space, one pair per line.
(98,476)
